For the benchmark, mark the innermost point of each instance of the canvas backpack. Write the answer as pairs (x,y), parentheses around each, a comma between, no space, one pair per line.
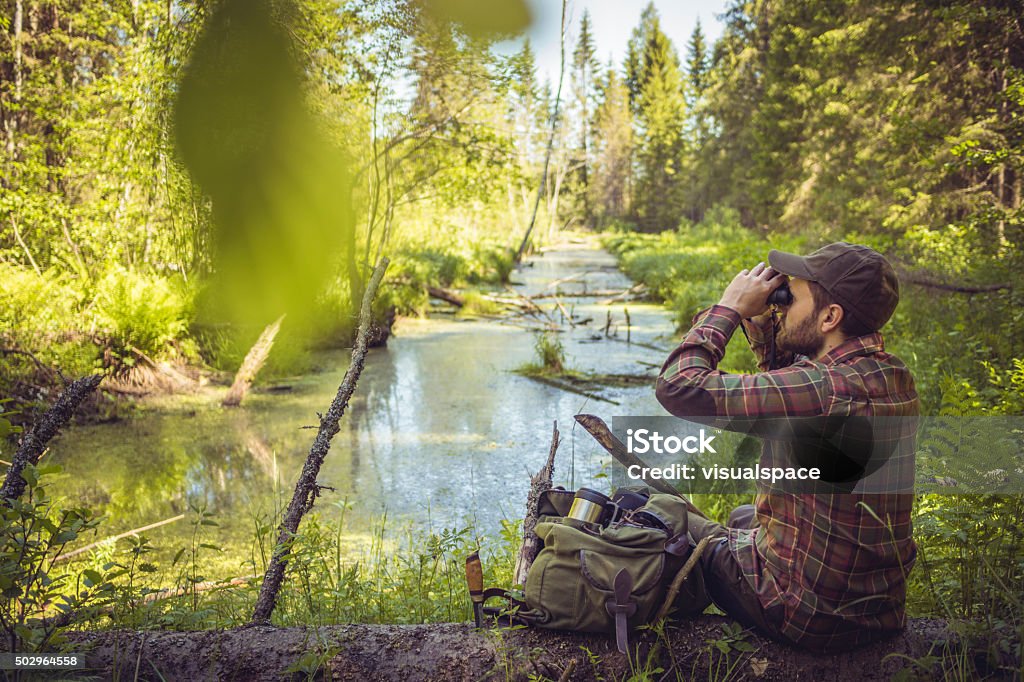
(602,578)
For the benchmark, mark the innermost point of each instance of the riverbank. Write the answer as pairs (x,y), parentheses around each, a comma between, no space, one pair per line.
(433,458)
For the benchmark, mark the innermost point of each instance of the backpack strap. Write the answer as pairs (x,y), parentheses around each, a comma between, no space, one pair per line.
(512,611)
(621,607)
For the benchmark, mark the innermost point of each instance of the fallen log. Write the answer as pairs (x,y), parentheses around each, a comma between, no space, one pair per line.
(456,651)
(253,363)
(596,293)
(447,296)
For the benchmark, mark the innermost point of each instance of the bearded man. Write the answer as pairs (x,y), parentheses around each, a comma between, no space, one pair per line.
(823,567)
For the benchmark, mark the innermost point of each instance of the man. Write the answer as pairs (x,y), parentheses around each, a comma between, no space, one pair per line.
(820,568)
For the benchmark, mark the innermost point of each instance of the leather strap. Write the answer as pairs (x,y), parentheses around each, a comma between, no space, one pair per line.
(679,545)
(621,607)
(512,611)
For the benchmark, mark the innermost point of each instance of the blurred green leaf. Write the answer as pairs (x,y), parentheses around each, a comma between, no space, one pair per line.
(483,19)
(279,187)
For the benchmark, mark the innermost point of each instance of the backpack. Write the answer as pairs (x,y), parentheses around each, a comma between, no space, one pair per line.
(601,578)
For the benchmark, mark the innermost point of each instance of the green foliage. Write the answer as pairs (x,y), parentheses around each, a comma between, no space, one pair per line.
(141,311)
(550,352)
(34,529)
(689,268)
(417,265)
(38,315)
(476,304)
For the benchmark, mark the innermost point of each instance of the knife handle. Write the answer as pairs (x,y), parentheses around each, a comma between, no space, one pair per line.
(475,577)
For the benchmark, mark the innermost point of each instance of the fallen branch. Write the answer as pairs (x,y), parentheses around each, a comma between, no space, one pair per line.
(635,290)
(253,363)
(596,427)
(134,531)
(448,296)
(52,371)
(34,442)
(565,313)
(307,489)
(532,544)
(579,294)
(204,586)
(576,276)
(164,369)
(529,304)
(567,387)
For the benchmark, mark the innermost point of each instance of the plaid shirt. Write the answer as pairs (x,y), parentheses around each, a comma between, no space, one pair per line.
(828,568)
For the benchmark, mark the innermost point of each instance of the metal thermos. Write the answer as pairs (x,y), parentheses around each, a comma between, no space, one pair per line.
(588,506)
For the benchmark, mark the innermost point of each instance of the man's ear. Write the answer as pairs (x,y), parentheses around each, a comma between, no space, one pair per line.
(833,318)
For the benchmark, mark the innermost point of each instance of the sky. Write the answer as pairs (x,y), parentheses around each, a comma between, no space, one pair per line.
(612,22)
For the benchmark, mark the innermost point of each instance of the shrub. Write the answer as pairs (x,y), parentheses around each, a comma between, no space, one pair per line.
(550,352)
(141,311)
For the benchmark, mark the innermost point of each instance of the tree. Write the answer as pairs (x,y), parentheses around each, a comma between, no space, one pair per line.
(660,114)
(635,54)
(613,151)
(584,67)
(697,63)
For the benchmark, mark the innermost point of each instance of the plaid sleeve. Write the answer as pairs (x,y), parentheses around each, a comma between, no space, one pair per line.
(691,386)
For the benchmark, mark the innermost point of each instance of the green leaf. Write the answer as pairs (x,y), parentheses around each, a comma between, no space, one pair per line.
(29,475)
(64,536)
(91,577)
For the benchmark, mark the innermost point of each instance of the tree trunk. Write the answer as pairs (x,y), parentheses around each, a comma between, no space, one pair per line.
(551,143)
(253,363)
(456,651)
(34,443)
(307,489)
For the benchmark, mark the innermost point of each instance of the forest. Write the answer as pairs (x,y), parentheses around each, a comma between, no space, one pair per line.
(190,184)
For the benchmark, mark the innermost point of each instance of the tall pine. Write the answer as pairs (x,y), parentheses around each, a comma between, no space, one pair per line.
(660,112)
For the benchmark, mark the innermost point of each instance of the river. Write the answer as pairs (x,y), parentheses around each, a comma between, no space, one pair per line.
(441,431)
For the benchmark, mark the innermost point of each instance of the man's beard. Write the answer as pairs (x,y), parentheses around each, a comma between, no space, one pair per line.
(804,339)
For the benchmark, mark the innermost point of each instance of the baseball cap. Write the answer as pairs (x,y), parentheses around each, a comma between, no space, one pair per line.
(859,278)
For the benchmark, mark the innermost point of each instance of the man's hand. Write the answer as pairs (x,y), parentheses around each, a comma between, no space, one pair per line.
(748,292)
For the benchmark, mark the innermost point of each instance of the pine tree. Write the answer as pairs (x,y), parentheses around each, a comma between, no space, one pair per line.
(524,110)
(660,113)
(635,50)
(584,67)
(696,66)
(613,151)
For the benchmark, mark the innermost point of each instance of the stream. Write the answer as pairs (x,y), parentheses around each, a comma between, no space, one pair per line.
(441,432)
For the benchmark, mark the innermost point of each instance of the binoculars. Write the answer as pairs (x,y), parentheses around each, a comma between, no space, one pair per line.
(781,296)
(591,506)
